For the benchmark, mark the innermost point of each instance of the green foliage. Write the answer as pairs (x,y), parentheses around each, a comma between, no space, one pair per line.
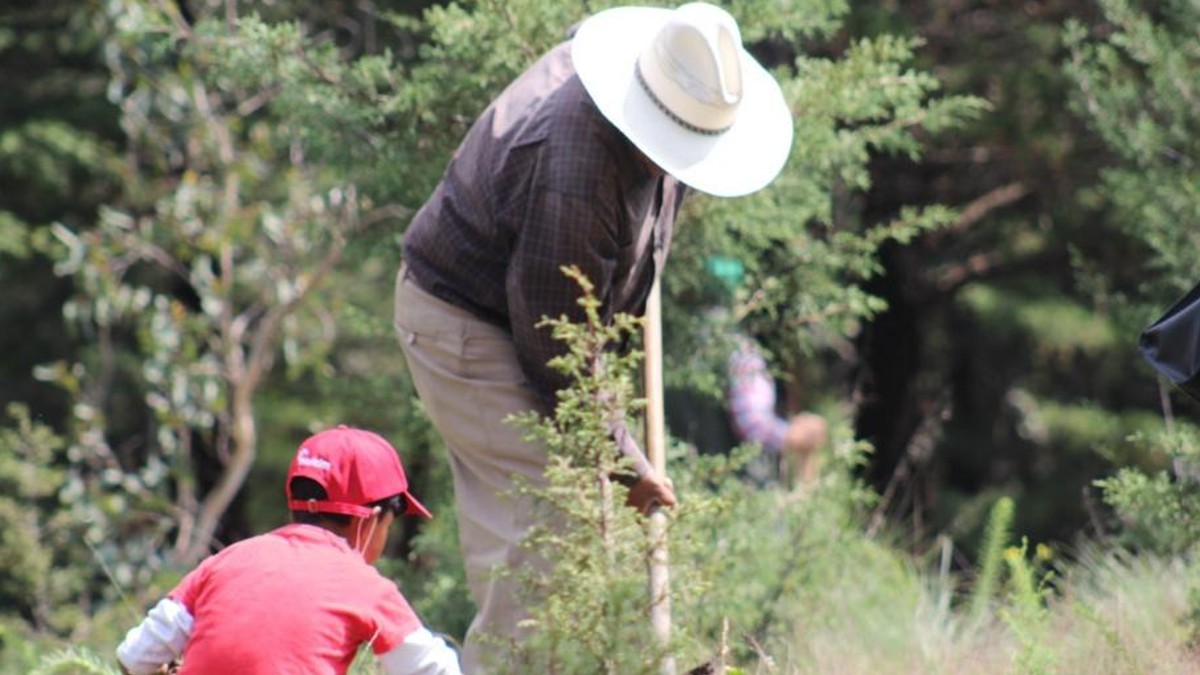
(795,22)
(1063,326)
(588,603)
(1137,88)
(1083,429)
(767,561)
(26,480)
(807,253)
(42,565)
(74,661)
(1162,509)
(433,577)
(743,560)
(991,557)
(51,154)
(1026,614)
(475,49)
(18,653)
(59,159)
(13,240)
(214,262)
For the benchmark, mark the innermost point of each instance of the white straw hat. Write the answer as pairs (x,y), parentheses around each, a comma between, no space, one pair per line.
(680,86)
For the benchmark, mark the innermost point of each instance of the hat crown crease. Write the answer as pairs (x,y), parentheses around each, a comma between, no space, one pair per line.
(693,68)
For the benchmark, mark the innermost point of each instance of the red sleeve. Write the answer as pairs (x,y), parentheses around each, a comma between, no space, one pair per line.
(394,619)
(186,592)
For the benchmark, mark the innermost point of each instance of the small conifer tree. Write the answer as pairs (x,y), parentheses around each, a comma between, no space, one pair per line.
(589,600)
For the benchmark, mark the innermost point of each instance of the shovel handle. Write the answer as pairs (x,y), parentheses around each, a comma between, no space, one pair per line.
(656,439)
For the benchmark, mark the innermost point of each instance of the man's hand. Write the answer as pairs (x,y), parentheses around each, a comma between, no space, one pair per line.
(651,490)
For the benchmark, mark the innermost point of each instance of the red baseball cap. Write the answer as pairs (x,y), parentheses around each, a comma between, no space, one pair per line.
(356,467)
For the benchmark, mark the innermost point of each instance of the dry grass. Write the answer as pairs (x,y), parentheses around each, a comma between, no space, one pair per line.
(1111,615)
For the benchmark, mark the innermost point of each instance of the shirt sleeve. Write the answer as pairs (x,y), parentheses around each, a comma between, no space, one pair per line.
(393,618)
(158,640)
(752,399)
(186,592)
(559,231)
(421,653)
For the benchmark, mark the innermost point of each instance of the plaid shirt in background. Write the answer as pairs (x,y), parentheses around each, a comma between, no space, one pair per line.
(543,180)
(751,395)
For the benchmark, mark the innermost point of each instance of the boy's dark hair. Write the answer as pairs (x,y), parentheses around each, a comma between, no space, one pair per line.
(304,488)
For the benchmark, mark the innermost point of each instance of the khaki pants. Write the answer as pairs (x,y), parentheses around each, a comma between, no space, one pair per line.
(467,376)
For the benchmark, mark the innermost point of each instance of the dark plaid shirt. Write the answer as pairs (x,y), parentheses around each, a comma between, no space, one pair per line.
(542,180)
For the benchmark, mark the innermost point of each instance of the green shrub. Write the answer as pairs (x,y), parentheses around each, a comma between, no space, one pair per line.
(1161,510)
(75,661)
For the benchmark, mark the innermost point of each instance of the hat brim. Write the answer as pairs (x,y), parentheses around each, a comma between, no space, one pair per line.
(739,161)
(414,507)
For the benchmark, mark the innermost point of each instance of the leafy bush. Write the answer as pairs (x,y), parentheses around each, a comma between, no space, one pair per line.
(742,560)
(1161,511)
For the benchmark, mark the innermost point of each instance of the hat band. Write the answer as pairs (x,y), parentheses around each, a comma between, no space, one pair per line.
(667,111)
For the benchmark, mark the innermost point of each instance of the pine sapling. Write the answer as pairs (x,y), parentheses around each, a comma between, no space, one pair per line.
(588,600)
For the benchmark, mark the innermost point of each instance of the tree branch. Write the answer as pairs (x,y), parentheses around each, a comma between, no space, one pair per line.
(245,374)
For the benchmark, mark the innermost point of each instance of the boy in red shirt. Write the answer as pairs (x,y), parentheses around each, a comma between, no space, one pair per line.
(302,598)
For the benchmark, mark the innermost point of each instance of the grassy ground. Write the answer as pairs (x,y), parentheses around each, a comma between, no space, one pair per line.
(1109,615)
(821,597)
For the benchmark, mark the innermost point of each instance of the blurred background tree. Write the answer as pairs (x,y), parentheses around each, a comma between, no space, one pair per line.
(1003,363)
(1136,85)
(59,161)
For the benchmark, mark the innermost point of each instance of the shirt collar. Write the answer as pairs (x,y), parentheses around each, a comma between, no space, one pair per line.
(312,534)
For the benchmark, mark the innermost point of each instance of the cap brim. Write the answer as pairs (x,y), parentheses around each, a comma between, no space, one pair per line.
(737,162)
(415,508)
